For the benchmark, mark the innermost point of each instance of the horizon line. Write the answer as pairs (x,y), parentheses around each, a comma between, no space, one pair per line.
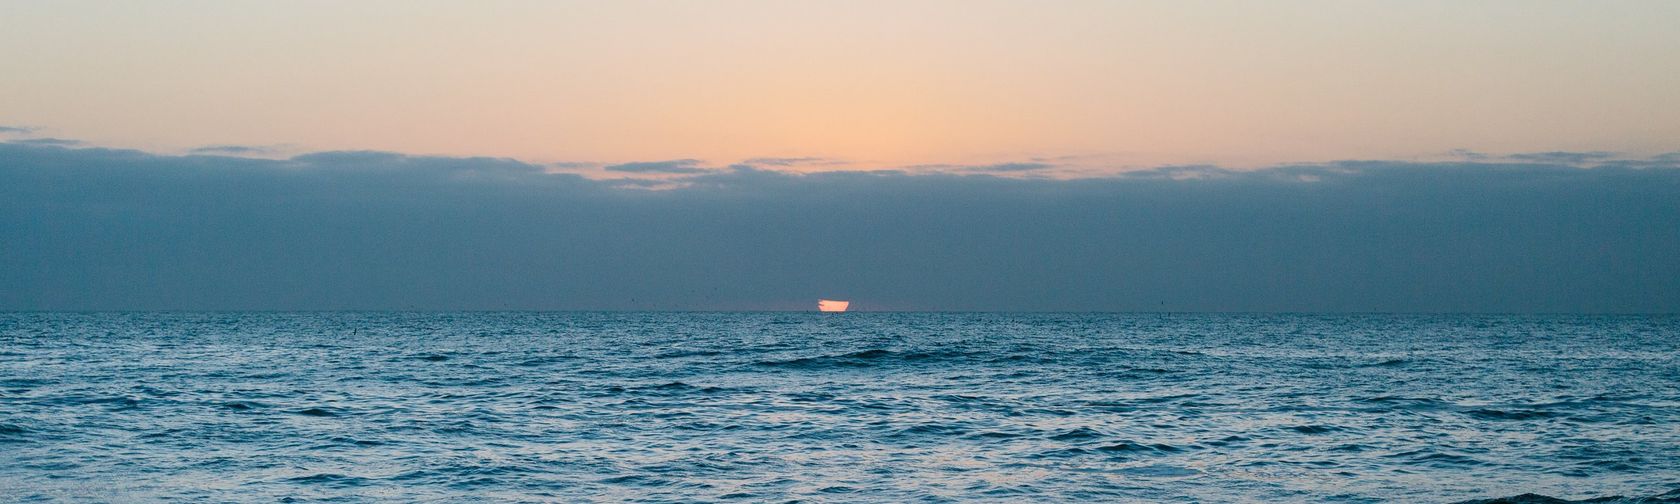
(1004,312)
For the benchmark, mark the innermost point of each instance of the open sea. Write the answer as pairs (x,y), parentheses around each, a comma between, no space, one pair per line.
(854,407)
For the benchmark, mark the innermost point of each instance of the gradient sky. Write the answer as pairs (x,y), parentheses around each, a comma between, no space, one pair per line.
(1417,156)
(1099,85)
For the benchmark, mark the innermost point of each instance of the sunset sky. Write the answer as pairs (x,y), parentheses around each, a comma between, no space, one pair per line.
(1087,86)
(1507,156)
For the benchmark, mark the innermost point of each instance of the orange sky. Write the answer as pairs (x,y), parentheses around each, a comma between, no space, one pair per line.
(1100,85)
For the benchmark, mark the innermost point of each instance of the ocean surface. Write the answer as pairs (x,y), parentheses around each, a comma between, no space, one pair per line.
(855,407)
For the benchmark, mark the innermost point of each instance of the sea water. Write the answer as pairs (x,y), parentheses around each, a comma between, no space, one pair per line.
(854,407)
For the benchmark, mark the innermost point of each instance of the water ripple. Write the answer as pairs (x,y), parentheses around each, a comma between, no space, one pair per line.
(681,407)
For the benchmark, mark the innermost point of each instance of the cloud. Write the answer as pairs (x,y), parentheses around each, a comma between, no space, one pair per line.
(675,166)
(793,161)
(1468,154)
(232,150)
(16,130)
(352,158)
(1009,167)
(1183,172)
(574,165)
(93,228)
(55,142)
(1017,167)
(1563,157)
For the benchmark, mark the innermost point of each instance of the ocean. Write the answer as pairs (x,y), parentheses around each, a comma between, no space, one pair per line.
(853,407)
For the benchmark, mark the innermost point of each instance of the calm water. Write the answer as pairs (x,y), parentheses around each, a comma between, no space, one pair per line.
(665,407)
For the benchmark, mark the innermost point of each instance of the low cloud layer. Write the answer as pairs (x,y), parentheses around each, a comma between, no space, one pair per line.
(89,228)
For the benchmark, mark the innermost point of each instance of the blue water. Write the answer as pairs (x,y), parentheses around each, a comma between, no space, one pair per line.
(870,407)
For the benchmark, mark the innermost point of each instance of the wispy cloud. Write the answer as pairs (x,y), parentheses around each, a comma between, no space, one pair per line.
(1182,172)
(352,158)
(674,166)
(574,165)
(1009,167)
(1467,154)
(793,161)
(233,150)
(55,142)
(997,168)
(16,130)
(1563,157)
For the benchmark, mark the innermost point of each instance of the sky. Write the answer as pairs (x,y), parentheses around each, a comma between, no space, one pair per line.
(1498,156)
(1104,85)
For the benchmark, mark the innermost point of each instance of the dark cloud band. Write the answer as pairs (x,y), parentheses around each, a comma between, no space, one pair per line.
(118,229)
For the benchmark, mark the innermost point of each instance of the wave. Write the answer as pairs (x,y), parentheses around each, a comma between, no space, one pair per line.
(318,412)
(1315,429)
(546,360)
(241,405)
(10,433)
(1078,434)
(678,387)
(1512,414)
(1138,447)
(1672,496)
(677,354)
(862,358)
(896,408)
(330,480)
